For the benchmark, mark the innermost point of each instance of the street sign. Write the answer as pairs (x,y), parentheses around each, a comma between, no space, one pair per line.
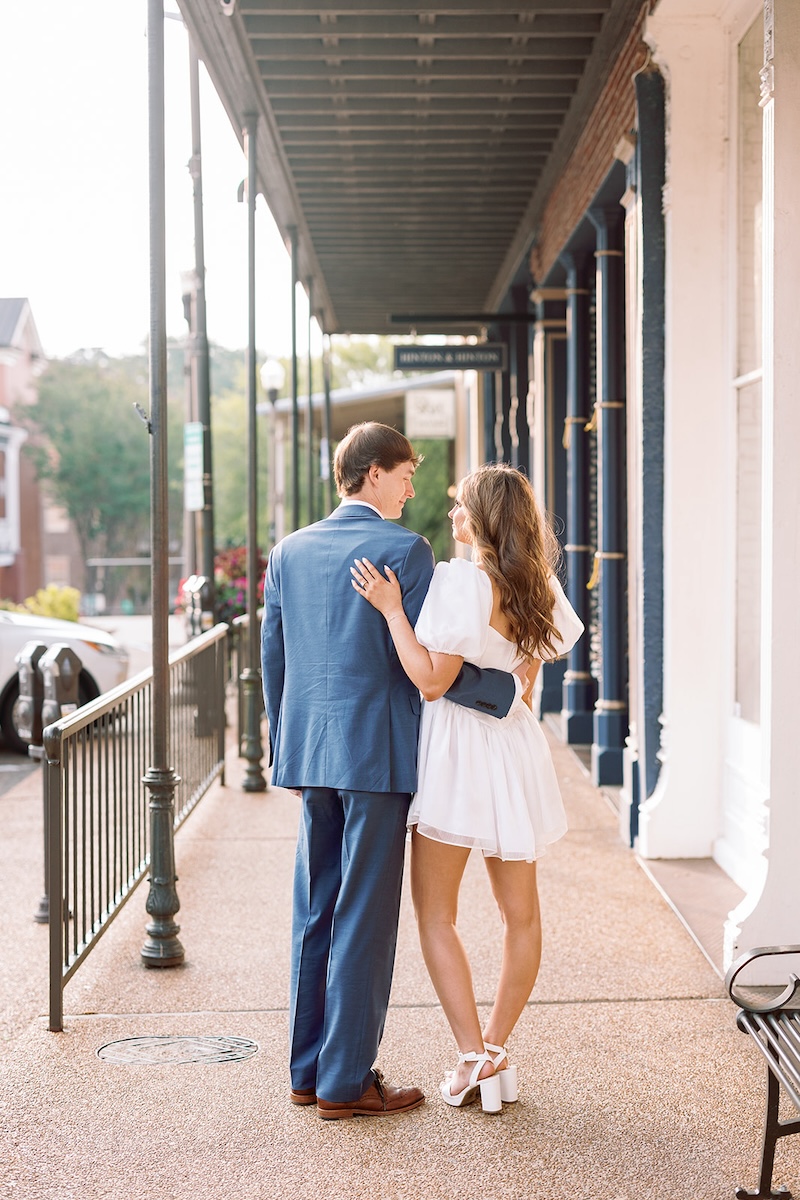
(488,356)
(193,499)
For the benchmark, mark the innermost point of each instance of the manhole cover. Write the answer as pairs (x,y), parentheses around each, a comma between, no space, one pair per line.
(161,1050)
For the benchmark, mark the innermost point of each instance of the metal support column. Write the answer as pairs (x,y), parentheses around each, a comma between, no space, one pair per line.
(502,404)
(497,405)
(491,392)
(190,564)
(295,408)
(162,947)
(200,348)
(252,749)
(610,561)
(578,686)
(519,372)
(310,472)
(326,374)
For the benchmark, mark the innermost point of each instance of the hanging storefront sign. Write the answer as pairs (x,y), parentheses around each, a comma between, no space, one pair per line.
(488,356)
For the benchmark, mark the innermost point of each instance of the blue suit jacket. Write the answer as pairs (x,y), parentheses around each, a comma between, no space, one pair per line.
(342,712)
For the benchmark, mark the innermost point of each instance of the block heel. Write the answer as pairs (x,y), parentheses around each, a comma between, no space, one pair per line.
(507,1076)
(489,1088)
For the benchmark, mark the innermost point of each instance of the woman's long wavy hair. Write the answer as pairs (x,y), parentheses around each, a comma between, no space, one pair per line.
(517,549)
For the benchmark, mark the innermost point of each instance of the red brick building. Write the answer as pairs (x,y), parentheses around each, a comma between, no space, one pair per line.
(21,518)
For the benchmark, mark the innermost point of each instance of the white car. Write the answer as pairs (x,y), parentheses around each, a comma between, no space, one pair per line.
(104,661)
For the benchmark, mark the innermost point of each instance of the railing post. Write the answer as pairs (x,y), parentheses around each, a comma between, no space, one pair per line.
(51,784)
(221,651)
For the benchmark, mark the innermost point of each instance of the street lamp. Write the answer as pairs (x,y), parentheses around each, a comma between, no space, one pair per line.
(272,378)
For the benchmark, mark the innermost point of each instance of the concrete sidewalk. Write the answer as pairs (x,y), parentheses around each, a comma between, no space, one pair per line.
(633,1079)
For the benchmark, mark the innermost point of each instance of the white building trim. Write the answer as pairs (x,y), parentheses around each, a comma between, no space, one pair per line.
(768,915)
(681,818)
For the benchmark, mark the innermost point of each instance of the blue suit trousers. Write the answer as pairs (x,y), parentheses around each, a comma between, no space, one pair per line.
(347,884)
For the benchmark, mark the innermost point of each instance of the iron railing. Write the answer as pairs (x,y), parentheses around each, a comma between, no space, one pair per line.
(96,804)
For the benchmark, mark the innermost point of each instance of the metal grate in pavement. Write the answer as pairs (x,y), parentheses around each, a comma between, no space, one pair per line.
(173,1050)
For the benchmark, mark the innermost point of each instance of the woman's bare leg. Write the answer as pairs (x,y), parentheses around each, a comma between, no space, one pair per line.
(436,873)
(515,890)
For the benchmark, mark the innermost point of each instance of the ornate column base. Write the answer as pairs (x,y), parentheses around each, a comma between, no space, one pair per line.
(162,948)
(629,797)
(552,686)
(608,739)
(577,708)
(252,749)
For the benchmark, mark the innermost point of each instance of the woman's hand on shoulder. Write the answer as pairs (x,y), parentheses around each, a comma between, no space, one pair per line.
(382,592)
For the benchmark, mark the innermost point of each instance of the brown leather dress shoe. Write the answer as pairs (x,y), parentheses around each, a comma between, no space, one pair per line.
(303,1096)
(379,1100)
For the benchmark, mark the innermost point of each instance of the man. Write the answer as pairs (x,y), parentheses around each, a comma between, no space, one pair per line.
(344,720)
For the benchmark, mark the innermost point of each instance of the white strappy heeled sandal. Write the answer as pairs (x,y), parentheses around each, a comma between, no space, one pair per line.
(507,1076)
(491,1100)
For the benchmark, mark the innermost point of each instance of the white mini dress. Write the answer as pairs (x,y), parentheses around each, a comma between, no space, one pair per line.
(484,782)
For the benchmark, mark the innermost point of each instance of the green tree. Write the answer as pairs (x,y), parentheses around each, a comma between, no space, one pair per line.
(427,512)
(362,360)
(229,448)
(94,451)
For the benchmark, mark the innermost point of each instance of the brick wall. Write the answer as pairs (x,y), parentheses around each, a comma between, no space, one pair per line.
(613,116)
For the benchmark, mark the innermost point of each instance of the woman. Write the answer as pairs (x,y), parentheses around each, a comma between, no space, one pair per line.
(484,783)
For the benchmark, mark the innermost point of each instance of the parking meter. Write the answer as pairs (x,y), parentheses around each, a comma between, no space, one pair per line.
(206,602)
(27,715)
(61,669)
(200,610)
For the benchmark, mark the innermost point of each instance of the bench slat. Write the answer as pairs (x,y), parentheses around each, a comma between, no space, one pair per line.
(777,1036)
(773,1021)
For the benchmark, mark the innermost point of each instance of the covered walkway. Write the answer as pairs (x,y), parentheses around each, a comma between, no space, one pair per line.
(634,1080)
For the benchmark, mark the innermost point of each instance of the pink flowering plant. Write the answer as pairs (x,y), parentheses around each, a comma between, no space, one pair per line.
(230,582)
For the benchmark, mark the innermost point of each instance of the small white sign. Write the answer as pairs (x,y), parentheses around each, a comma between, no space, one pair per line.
(193,498)
(431,413)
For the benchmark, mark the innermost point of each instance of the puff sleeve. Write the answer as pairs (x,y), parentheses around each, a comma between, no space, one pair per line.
(566,621)
(455,614)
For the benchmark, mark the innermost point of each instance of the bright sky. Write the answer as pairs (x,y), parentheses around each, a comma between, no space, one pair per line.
(74,177)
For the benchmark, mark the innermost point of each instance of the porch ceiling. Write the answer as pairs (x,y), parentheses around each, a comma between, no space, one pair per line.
(411,145)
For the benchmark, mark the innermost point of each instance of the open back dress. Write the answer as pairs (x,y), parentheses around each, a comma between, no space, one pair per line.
(484,782)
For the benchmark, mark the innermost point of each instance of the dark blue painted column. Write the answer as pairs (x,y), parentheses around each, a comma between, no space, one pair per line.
(610,565)
(550,374)
(490,402)
(519,372)
(578,686)
(649,165)
(497,406)
(503,404)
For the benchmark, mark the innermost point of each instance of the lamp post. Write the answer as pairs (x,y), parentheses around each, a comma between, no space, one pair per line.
(272,379)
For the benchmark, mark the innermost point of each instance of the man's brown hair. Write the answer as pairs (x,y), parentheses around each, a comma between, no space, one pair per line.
(366,445)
